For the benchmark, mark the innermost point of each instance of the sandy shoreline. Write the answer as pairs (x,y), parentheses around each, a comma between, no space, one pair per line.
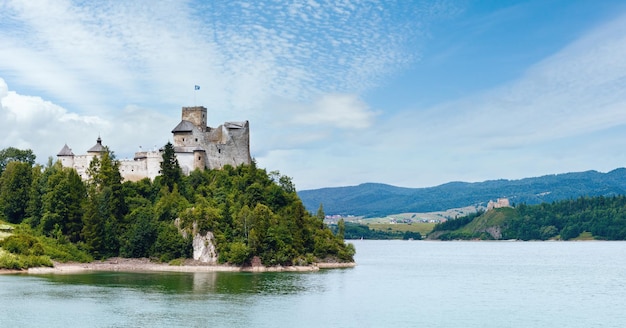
(145,265)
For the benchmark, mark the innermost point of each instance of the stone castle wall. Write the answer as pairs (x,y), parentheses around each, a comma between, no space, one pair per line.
(196,146)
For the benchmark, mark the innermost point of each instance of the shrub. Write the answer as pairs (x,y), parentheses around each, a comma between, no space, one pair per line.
(22,244)
(9,261)
(19,262)
(239,253)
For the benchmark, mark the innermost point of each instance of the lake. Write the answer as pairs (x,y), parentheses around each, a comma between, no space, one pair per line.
(396,284)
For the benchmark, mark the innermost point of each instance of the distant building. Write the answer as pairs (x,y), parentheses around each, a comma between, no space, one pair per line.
(196,145)
(501,202)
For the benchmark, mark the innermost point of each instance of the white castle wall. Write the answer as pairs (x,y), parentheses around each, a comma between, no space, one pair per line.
(198,147)
(81,165)
(144,165)
(185,160)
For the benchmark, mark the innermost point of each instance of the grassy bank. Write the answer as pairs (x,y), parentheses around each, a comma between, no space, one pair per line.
(22,248)
(423,228)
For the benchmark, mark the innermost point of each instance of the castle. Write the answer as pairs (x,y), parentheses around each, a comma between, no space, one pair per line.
(196,145)
(500,203)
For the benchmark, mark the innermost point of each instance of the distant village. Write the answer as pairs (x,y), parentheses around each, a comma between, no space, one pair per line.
(410,218)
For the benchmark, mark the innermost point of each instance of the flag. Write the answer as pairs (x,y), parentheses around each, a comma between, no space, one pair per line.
(196,87)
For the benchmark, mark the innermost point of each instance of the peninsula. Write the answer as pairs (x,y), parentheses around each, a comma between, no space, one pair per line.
(209,203)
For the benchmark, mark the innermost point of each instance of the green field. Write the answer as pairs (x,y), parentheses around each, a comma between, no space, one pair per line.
(422,228)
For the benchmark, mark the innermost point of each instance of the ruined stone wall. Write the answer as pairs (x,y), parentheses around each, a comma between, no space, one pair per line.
(228,146)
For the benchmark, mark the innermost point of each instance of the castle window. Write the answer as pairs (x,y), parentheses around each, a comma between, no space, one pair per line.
(219,151)
(183,139)
(199,158)
(196,139)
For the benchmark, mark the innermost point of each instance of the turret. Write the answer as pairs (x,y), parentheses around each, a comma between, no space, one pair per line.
(97,149)
(66,156)
(196,115)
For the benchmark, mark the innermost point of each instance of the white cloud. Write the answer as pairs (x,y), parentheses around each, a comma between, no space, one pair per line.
(344,111)
(547,121)
(28,122)
(240,53)
(566,113)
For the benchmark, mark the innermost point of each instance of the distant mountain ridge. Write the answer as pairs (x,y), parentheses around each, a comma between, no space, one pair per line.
(377,200)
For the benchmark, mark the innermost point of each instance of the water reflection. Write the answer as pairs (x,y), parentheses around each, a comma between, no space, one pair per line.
(230,283)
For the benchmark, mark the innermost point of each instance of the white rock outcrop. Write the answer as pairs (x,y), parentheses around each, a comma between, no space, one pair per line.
(204,249)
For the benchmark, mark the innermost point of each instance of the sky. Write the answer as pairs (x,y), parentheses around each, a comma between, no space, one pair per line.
(337,93)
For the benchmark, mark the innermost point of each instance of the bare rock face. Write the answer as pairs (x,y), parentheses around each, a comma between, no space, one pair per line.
(203,245)
(495,232)
(204,249)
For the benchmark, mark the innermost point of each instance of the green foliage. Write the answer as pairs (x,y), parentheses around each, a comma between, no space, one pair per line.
(100,229)
(20,262)
(456,223)
(11,154)
(171,172)
(601,217)
(62,203)
(169,204)
(170,244)
(25,249)
(379,200)
(362,231)
(64,251)
(341,229)
(22,244)
(139,239)
(251,214)
(15,184)
(239,253)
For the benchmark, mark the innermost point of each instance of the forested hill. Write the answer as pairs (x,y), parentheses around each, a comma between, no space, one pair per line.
(372,199)
(602,218)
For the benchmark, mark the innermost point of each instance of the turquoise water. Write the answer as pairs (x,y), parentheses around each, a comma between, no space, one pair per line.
(396,284)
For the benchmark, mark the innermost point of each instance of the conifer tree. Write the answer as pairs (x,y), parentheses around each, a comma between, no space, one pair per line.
(106,206)
(171,172)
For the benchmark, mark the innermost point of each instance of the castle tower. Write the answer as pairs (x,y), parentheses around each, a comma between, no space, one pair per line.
(196,115)
(66,156)
(97,149)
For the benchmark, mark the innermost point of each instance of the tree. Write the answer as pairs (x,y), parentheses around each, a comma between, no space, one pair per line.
(170,244)
(104,172)
(320,215)
(170,169)
(142,234)
(62,203)
(15,155)
(341,229)
(15,185)
(105,207)
(100,226)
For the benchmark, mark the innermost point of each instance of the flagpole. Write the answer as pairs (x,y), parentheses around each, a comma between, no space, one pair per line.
(195,88)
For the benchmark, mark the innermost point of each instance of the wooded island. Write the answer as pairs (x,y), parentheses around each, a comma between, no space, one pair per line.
(51,214)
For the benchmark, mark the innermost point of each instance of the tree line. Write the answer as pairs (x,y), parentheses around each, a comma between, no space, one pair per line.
(604,218)
(251,213)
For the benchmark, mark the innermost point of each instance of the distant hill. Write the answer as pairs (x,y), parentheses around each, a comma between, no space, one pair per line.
(583,218)
(377,200)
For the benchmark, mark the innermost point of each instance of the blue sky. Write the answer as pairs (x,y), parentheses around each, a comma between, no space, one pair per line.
(409,93)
